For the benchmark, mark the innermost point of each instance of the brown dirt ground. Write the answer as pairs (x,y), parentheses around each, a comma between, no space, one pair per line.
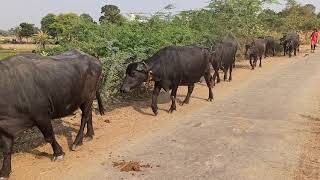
(128,120)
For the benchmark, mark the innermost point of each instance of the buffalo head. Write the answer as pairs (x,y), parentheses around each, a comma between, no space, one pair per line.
(136,74)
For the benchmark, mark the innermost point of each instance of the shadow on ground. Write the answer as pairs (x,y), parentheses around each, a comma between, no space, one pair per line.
(28,141)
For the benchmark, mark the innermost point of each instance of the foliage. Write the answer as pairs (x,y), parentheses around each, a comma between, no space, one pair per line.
(87,17)
(296,17)
(6,53)
(42,38)
(3,33)
(111,14)
(46,25)
(117,41)
(26,30)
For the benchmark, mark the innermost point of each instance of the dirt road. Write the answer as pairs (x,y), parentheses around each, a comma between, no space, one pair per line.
(263,125)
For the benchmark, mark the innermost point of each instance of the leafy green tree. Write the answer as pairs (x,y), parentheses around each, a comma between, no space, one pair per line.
(64,25)
(3,32)
(42,38)
(117,41)
(111,14)
(310,8)
(296,17)
(87,18)
(46,22)
(270,20)
(26,30)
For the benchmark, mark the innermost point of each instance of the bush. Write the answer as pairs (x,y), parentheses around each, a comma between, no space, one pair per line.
(119,43)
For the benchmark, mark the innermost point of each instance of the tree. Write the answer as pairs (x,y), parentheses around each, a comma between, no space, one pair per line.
(47,21)
(27,30)
(291,3)
(111,14)
(64,24)
(87,18)
(3,32)
(270,20)
(42,38)
(296,17)
(309,9)
(16,31)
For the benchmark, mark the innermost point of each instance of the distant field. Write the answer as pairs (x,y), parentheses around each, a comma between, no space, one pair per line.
(19,47)
(6,53)
(7,50)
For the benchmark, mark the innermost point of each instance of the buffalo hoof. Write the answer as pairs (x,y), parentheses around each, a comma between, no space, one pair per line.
(210,99)
(184,102)
(87,138)
(57,158)
(171,110)
(155,112)
(74,147)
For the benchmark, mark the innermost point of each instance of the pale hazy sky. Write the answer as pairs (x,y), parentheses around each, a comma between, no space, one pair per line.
(13,12)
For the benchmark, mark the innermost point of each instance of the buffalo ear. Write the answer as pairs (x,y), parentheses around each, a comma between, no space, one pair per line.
(140,67)
(155,78)
(152,77)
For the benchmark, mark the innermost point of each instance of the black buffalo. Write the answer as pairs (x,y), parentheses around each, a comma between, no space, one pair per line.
(231,41)
(270,45)
(255,51)
(223,57)
(169,68)
(290,43)
(37,89)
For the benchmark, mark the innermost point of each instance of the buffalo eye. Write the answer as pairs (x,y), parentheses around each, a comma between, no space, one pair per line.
(133,74)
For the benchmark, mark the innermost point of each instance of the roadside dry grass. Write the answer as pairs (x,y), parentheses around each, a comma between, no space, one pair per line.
(4,53)
(7,50)
(18,47)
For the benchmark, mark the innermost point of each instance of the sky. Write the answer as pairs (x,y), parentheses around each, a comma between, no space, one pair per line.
(13,12)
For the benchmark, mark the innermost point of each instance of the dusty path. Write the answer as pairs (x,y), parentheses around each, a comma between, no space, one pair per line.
(263,125)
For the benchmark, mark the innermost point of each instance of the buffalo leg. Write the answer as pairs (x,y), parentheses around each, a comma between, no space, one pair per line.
(173,98)
(7,145)
(295,51)
(234,62)
(255,61)
(155,94)
(273,52)
(265,53)
(190,90)
(260,62)
(46,129)
(90,131)
(216,72)
(207,78)
(251,63)
(290,53)
(86,109)
(225,71)
(230,73)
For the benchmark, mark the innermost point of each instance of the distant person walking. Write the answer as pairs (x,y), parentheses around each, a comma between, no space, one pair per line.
(314,40)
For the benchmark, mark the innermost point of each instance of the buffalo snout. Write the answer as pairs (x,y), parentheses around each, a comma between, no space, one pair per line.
(124,89)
